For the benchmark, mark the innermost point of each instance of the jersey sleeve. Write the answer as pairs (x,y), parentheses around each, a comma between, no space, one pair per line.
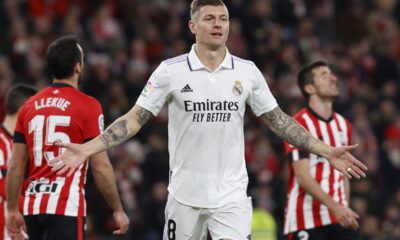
(260,99)
(156,91)
(93,122)
(19,133)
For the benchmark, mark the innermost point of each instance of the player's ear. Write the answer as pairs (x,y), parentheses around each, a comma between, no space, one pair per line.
(309,88)
(192,26)
(78,68)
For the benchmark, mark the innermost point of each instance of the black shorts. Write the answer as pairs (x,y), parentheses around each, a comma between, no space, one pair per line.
(329,232)
(55,227)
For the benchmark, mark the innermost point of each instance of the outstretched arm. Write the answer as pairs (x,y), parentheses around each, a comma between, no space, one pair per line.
(119,131)
(288,129)
(15,221)
(104,178)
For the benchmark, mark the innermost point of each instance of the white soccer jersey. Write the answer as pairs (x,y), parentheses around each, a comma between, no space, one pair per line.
(206,109)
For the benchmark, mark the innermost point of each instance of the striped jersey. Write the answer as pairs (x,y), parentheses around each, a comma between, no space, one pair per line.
(302,210)
(5,154)
(57,113)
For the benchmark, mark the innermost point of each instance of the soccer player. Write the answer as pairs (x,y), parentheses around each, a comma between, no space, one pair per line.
(54,206)
(318,195)
(15,98)
(207,91)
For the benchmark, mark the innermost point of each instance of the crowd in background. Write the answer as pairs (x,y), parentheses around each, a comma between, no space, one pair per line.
(124,40)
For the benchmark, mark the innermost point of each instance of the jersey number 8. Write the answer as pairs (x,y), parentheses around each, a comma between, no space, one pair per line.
(36,125)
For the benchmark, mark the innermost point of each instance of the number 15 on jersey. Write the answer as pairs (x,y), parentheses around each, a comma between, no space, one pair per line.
(41,138)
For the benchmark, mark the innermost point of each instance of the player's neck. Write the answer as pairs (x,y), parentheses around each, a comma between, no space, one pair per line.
(323,108)
(9,123)
(210,58)
(70,81)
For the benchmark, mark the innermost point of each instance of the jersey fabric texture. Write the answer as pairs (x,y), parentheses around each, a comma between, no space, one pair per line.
(57,113)
(5,154)
(302,210)
(206,109)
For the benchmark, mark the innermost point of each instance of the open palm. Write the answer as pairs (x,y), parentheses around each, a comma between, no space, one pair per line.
(70,160)
(342,160)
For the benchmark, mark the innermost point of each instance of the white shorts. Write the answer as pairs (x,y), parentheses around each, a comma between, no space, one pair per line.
(231,221)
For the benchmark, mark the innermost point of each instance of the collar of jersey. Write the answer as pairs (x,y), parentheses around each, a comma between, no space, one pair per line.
(60,85)
(195,63)
(318,116)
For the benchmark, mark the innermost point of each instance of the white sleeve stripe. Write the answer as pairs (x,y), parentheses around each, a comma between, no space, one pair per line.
(295,155)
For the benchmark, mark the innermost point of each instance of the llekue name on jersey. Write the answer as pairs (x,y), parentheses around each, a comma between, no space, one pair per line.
(54,102)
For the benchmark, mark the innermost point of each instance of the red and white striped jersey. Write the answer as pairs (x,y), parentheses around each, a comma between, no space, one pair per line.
(5,154)
(57,113)
(302,210)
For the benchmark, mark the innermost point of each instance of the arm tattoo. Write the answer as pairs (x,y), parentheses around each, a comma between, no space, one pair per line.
(287,128)
(117,132)
(143,115)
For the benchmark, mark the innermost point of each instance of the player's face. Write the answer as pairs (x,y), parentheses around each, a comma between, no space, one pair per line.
(325,83)
(211,26)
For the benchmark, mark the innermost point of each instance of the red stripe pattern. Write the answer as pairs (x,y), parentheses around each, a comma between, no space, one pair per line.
(302,210)
(56,113)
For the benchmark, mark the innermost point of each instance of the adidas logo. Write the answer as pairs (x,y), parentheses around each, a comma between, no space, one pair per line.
(186,89)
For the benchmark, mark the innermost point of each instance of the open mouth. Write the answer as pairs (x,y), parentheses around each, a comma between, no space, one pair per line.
(216,34)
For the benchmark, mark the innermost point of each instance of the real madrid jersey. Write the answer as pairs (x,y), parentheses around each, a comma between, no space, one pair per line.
(206,138)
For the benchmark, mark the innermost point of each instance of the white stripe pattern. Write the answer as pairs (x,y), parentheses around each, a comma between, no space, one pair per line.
(53,200)
(72,207)
(331,180)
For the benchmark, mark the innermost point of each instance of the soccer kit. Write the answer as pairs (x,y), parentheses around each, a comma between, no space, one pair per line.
(5,154)
(305,216)
(206,141)
(52,203)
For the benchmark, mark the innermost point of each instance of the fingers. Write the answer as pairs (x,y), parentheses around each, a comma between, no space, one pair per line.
(360,165)
(121,230)
(346,172)
(24,229)
(61,144)
(71,171)
(358,171)
(62,170)
(350,147)
(349,222)
(349,219)
(24,234)
(351,171)
(55,162)
(57,167)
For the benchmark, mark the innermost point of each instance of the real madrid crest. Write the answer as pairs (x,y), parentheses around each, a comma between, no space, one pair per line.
(237,88)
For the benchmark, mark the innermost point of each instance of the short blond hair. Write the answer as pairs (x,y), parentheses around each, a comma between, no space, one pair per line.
(197,4)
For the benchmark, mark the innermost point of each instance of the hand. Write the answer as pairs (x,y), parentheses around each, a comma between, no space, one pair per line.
(122,222)
(70,160)
(346,217)
(16,227)
(342,160)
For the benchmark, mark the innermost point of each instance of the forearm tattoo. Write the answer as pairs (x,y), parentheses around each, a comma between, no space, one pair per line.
(287,128)
(143,116)
(117,132)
